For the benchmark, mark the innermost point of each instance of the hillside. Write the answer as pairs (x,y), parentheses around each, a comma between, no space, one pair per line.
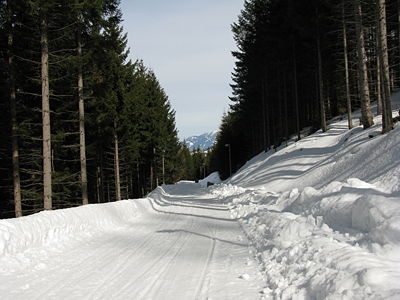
(323,213)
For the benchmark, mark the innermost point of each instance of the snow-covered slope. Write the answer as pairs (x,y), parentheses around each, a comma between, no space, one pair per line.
(324,213)
(53,228)
(321,158)
(202,142)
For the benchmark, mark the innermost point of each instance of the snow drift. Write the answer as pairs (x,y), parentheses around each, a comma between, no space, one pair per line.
(54,227)
(323,213)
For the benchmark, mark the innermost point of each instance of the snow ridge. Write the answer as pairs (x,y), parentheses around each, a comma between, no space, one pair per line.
(323,213)
(50,228)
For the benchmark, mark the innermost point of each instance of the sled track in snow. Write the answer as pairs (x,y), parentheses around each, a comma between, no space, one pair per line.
(204,273)
(154,286)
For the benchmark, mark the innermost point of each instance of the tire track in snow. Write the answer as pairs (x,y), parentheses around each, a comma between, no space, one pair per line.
(156,284)
(104,254)
(130,285)
(200,288)
(122,266)
(205,270)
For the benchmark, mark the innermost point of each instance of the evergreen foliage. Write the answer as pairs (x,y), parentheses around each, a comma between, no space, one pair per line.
(123,103)
(290,71)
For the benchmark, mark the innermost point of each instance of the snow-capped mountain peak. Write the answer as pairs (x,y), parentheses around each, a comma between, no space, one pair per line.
(202,142)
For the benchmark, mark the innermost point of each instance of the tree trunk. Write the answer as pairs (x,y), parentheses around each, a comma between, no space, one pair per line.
(320,81)
(100,162)
(138,179)
(127,186)
(398,23)
(366,114)
(47,194)
(296,96)
(286,109)
(387,120)
(82,144)
(378,81)
(163,167)
(98,184)
(14,124)
(152,175)
(116,163)
(264,133)
(346,70)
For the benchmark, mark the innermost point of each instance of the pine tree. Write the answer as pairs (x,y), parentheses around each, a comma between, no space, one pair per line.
(366,115)
(387,120)
(82,136)
(13,111)
(47,185)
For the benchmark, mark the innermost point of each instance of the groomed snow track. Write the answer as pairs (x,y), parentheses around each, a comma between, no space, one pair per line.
(176,247)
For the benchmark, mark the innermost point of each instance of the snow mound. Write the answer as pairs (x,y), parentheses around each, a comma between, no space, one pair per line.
(212,178)
(323,213)
(340,241)
(49,228)
(323,157)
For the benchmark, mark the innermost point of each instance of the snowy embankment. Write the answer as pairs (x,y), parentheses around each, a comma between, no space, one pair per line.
(52,228)
(323,214)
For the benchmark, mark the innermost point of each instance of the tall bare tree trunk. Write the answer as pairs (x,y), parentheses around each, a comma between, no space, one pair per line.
(366,114)
(387,119)
(82,144)
(116,165)
(346,70)
(398,24)
(378,80)
(98,184)
(296,95)
(291,17)
(264,131)
(151,176)
(47,193)
(286,109)
(14,124)
(320,81)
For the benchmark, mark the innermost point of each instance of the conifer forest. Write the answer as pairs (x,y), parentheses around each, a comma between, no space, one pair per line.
(81,123)
(301,63)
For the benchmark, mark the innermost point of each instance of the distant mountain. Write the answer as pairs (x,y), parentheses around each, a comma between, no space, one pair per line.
(203,141)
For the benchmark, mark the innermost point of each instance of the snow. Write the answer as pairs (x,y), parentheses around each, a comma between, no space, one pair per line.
(202,142)
(323,214)
(50,228)
(316,219)
(178,243)
(213,178)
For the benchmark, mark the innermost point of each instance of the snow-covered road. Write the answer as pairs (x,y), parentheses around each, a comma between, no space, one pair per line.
(178,247)
(322,215)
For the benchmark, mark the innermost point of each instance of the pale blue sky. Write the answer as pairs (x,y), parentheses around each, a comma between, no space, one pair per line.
(188,45)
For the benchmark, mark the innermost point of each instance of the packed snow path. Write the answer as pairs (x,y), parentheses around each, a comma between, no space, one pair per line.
(177,247)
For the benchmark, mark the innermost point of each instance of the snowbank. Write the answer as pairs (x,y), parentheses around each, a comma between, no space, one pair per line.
(340,241)
(323,213)
(319,159)
(53,227)
(212,178)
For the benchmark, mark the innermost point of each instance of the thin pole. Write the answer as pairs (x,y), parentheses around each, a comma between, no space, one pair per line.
(230,159)
(163,168)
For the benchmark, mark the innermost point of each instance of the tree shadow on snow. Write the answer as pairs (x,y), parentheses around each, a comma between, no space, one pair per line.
(202,235)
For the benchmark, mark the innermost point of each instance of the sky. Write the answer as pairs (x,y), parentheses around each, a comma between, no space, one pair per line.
(188,44)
